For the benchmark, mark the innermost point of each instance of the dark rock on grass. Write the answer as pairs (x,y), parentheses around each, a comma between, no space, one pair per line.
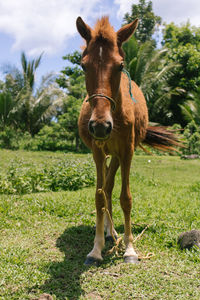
(192,156)
(187,240)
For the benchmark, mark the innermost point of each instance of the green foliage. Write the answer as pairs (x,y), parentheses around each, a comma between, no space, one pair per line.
(22,177)
(49,138)
(29,68)
(73,80)
(6,106)
(148,21)
(21,106)
(167,76)
(9,138)
(191,108)
(52,138)
(181,35)
(72,74)
(192,137)
(61,134)
(183,43)
(149,68)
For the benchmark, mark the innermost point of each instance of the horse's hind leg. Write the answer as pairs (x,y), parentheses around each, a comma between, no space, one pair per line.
(95,255)
(130,255)
(110,180)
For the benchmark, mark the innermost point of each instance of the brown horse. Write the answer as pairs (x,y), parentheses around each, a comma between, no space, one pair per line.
(112,123)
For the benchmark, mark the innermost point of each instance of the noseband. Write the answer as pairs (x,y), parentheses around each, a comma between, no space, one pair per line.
(112,102)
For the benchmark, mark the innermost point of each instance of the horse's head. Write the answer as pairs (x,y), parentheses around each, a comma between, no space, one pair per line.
(102,61)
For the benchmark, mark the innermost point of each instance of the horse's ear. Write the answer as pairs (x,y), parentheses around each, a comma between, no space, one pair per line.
(83,29)
(126,32)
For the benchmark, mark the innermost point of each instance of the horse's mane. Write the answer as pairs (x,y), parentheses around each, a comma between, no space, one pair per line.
(103,31)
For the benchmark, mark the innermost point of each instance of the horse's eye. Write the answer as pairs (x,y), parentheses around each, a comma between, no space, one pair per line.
(83,67)
(121,66)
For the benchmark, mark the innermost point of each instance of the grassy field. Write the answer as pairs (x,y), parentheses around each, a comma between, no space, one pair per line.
(45,237)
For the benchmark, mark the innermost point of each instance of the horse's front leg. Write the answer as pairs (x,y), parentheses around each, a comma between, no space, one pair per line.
(130,255)
(95,255)
(110,180)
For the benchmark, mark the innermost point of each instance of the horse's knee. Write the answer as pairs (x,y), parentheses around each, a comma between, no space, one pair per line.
(100,202)
(126,203)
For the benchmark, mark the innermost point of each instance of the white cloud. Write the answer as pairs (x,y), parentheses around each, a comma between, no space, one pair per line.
(42,25)
(178,11)
(47,25)
(124,6)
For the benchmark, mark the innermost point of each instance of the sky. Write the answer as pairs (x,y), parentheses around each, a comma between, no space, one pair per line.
(49,26)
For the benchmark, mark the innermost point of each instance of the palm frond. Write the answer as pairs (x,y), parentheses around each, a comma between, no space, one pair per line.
(24,62)
(38,61)
(186,111)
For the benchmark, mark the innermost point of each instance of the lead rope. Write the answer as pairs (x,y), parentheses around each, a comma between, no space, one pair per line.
(112,101)
(129,83)
(118,242)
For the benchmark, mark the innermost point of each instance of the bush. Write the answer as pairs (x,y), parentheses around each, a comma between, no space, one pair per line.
(54,138)
(24,178)
(191,136)
(51,138)
(9,138)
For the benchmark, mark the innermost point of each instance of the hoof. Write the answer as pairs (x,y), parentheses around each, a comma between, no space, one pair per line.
(131,260)
(92,261)
(109,238)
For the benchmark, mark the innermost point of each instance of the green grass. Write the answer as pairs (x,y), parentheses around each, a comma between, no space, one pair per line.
(45,237)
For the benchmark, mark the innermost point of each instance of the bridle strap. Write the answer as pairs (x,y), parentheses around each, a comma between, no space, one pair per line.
(129,83)
(112,102)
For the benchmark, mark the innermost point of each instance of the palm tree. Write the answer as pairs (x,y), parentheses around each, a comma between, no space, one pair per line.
(29,68)
(31,108)
(191,108)
(6,105)
(46,103)
(37,109)
(148,68)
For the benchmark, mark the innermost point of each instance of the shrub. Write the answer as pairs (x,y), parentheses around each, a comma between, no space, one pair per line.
(22,177)
(9,138)
(191,135)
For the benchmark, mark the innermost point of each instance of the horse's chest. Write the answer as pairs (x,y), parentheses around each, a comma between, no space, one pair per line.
(122,137)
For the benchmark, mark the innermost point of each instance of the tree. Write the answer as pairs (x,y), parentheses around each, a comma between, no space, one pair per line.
(148,66)
(149,69)
(29,68)
(74,83)
(38,109)
(191,108)
(6,105)
(30,108)
(183,43)
(148,21)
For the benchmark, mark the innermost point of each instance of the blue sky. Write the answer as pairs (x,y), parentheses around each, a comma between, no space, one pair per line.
(48,26)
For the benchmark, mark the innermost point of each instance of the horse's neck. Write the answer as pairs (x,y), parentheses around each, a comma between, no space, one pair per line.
(123,90)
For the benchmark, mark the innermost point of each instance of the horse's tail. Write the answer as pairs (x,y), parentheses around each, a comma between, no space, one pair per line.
(161,138)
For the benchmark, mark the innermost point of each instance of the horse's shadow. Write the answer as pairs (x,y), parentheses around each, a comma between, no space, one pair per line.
(65,276)
(64,282)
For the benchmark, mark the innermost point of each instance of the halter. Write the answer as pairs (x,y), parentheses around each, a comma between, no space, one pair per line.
(112,102)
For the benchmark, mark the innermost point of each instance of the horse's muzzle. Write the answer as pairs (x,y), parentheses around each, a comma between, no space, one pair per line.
(100,131)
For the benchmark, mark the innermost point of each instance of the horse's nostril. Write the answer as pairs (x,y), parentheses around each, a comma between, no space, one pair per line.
(109,127)
(91,127)
(99,130)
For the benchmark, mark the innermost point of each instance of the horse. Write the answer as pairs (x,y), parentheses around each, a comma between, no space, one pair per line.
(113,121)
